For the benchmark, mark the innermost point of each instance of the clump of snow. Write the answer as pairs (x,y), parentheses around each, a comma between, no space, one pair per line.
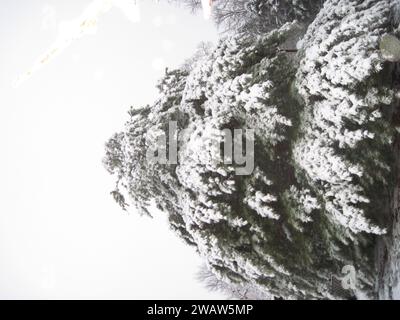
(390,48)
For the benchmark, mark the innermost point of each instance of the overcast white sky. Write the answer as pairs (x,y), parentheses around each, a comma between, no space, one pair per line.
(61,234)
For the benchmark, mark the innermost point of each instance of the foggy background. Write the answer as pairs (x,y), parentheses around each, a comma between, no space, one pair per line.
(61,233)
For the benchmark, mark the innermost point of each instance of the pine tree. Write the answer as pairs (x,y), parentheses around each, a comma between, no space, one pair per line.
(321,154)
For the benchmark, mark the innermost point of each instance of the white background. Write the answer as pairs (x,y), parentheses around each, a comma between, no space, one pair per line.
(61,234)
